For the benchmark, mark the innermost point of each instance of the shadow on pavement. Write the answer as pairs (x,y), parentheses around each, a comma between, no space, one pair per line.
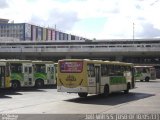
(34,89)
(30,89)
(4,96)
(9,92)
(112,99)
(5,92)
(50,87)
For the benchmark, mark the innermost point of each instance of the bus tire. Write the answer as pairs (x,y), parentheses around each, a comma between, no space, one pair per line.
(127,90)
(15,85)
(39,83)
(147,79)
(106,91)
(84,95)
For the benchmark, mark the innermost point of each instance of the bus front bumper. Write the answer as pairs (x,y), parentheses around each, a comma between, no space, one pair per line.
(71,90)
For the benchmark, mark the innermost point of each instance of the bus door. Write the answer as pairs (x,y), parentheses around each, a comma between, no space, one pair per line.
(28,75)
(98,78)
(50,73)
(2,76)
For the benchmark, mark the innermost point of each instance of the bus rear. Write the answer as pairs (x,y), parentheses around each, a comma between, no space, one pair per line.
(72,76)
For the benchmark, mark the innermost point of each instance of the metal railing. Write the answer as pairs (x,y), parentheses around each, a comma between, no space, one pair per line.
(82,47)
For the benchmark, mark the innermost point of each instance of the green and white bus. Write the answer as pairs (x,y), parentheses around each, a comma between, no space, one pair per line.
(27,73)
(145,73)
(44,73)
(21,73)
(85,76)
(4,74)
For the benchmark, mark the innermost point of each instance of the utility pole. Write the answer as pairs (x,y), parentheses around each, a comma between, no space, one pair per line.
(133,32)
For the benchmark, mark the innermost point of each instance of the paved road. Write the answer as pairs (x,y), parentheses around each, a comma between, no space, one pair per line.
(145,98)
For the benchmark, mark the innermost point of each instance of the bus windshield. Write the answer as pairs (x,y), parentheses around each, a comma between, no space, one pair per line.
(71,66)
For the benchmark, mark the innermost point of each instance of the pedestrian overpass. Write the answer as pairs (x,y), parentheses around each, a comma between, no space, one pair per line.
(122,50)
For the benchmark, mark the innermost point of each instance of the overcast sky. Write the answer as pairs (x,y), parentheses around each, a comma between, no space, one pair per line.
(100,19)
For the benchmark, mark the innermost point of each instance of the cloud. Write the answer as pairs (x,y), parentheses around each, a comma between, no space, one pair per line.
(63,20)
(17,10)
(148,31)
(53,12)
(3,4)
(119,24)
(89,18)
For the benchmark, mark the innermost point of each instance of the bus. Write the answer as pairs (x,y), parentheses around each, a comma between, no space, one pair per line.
(21,73)
(44,73)
(4,74)
(84,76)
(145,73)
(27,73)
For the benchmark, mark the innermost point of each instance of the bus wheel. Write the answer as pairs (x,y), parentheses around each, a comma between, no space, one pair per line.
(39,83)
(127,90)
(106,91)
(15,85)
(147,79)
(83,95)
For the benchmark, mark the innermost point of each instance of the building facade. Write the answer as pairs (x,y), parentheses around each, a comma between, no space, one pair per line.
(30,32)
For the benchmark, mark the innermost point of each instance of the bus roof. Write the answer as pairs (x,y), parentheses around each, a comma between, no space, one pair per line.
(99,61)
(144,66)
(42,62)
(15,60)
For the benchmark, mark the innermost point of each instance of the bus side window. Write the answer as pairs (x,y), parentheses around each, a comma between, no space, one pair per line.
(111,70)
(30,70)
(42,69)
(49,69)
(144,70)
(104,70)
(52,69)
(91,70)
(119,70)
(19,69)
(12,68)
(25,69)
